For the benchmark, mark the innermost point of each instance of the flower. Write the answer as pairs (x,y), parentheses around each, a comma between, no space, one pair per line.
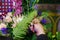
(2,25)
(1,18)
(9,14)
(8,19)
(18,11)
(43,21)
(39,13)
(14,19)
(14,25)
(36,7)
(4,30)
(19,19)
(17,6)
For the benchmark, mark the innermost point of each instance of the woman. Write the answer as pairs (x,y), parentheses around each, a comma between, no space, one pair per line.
(37,28)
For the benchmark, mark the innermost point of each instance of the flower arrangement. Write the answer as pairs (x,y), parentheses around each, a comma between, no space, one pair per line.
(19,23)
(8,23)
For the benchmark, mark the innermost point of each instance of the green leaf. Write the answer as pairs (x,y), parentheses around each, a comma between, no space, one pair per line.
(21,28)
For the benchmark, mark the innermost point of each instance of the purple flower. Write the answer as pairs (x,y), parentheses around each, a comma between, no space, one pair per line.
(39,13)
(43,21)
(18,11)
(1,17)
(20,2)
(4,30)
(36,7)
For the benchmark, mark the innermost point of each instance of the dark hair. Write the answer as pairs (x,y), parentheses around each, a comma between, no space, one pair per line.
(5,38)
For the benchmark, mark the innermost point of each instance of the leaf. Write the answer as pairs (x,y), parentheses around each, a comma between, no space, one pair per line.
(21,28)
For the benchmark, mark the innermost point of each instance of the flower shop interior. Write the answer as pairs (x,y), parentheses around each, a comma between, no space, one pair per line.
(16,16)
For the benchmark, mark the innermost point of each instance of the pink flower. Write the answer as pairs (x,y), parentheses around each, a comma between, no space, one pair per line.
(17,12)
(20,2)
(18,7)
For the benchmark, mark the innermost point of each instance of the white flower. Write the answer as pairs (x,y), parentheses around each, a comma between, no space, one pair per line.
(3,25)
(9,14)
(13,25)
(19,19)
(14,19)
(8,19)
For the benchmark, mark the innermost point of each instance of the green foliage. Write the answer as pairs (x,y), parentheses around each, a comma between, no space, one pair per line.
(28,5)
(34,37)
(49,35)
(44,14)
(21,28)
(58,35)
